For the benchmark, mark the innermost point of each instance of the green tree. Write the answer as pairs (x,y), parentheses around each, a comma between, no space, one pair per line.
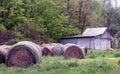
(50,14)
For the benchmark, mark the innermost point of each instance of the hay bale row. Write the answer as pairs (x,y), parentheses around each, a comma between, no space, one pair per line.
(26,53)
(23,54)
(68,50)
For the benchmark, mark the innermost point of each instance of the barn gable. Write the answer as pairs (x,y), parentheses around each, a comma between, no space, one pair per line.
(105,35)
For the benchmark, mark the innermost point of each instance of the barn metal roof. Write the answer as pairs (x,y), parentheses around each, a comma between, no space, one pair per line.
(94,31)
(90,32)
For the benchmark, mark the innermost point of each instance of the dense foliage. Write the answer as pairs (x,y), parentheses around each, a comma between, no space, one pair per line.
(49,20)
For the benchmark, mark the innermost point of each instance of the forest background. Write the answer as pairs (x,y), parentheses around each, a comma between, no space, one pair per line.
(44,21)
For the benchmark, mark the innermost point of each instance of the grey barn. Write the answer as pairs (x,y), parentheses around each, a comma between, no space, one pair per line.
(93,38)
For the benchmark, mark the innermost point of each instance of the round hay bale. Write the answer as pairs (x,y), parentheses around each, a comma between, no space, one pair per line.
(46,50)
(23,54)
(52,49)
(73,51)
(57,49)
(85,49)
(6,47)
(3,53)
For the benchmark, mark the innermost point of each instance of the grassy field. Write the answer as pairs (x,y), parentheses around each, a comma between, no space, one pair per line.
(95,62)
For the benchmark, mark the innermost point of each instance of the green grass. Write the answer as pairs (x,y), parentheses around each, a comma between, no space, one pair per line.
(95,62)
(102,54)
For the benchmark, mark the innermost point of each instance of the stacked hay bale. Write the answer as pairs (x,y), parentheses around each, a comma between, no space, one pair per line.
(3,51)
(23,54)
(73,51)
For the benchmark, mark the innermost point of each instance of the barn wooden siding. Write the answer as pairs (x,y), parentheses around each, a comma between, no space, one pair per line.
(86,42)
(92,43)
(71,40)
(102,41)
